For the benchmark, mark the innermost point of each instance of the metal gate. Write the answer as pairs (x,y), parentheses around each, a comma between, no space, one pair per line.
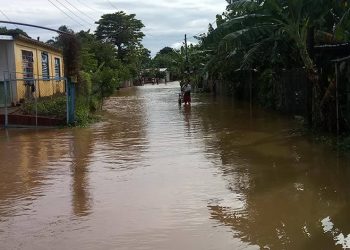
(33,102)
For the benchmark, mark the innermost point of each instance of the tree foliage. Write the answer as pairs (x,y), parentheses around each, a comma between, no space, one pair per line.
(269,36)
(12,32)
(103,60)
(122,30)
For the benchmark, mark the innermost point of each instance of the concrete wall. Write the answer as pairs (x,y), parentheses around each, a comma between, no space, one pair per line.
(7,59)
(7,65)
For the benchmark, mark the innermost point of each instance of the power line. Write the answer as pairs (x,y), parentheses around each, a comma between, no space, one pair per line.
(87,6)
(112,5)
(72,12)
(79,10)
(8,18)
(65,13)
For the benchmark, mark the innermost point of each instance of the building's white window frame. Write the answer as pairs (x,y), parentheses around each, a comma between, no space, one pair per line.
(28,66)
(57,67)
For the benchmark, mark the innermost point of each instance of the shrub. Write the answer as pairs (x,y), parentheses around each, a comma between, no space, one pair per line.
(85,84)
(53,106)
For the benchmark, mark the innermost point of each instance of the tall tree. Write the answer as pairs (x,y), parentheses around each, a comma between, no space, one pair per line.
(166,50)
(122,30)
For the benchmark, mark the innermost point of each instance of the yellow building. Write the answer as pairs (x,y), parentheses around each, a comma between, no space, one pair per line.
(31,68)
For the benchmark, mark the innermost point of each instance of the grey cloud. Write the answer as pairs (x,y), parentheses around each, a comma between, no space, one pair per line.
(166,21)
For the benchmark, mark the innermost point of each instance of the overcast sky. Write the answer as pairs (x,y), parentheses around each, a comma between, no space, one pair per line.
(166,21)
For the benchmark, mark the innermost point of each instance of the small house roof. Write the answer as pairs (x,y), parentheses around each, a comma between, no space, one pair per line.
(20,37)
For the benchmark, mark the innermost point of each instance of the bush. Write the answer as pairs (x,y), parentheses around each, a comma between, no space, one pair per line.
(105,82)
(53,106)
(82,114)
(85,84)
(94,103)
(84,111)
(160,74)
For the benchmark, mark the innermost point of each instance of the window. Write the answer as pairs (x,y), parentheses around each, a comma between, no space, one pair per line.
(57,68)
(45,65)
(27,65)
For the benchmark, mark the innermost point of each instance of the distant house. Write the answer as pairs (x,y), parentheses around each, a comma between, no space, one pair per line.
(153,76)
(167,74)
(31,68)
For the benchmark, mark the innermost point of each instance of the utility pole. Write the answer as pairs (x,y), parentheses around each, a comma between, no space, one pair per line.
(186,55)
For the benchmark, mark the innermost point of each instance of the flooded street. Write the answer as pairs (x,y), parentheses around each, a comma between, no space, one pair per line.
(153,175)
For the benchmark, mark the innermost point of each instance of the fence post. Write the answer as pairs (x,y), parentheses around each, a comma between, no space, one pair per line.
(337,96)
(5,100)
(70,101)
(35,93)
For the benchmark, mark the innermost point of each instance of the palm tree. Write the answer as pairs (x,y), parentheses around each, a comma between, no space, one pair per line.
(278,33)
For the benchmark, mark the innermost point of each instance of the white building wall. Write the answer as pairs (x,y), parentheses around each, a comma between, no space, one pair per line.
(7,71)
(7,59)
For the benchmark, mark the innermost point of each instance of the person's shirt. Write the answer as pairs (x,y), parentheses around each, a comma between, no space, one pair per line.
(187,88)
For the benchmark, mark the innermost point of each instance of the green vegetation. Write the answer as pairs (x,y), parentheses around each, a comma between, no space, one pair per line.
(254,46)
(12,32)
(102,61)
(257,40)
(121,30)
(53,106)
(174,60)
(171,59)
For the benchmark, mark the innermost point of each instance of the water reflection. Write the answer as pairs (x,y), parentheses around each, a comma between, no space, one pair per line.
(81,151)
(187,117)
(38,154)
(25,156)
(151,175)
(288,183)
(338,236)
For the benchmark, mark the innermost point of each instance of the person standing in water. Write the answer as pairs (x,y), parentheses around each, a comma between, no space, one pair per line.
(187,93)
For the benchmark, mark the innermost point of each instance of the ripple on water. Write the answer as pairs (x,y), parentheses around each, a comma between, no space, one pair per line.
(153,175)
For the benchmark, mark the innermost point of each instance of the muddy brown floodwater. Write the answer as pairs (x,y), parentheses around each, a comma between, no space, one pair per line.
(153,175)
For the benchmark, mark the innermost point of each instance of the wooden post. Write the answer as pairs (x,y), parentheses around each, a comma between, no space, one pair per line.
(251,92)
(336,94)
(5,99)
